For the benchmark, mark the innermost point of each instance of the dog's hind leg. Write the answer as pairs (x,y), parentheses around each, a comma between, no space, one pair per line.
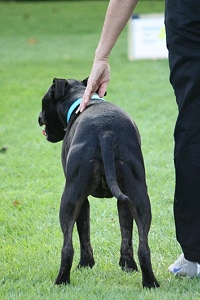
(132,181)
(70,207)
(141,211)
(127,261)
(73,205)
(83,227)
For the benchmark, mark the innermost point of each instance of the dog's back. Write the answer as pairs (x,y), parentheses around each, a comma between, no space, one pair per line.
(105,136)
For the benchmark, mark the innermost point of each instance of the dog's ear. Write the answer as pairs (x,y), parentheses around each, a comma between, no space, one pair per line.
(84,81)
(58,88)
(85,84)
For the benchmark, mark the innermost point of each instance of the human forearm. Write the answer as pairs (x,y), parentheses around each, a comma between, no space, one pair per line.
(117,16)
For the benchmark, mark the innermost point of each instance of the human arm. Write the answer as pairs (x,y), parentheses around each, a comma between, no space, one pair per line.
(117,16)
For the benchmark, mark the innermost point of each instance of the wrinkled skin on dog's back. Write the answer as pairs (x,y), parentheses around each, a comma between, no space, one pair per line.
(101,156)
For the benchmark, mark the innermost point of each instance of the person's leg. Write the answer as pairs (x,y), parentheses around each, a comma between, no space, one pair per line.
(183,41)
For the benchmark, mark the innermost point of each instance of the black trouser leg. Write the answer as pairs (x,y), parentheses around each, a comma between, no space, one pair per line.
(183,40)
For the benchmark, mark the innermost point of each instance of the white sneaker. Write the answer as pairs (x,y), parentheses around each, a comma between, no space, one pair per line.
(184,267)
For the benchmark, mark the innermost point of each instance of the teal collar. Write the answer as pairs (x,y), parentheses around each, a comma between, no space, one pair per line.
(77,103)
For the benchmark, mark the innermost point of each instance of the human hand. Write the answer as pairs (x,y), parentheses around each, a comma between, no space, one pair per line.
(97,82)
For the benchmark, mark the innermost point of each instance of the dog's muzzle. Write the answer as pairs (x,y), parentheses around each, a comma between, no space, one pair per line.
(42,123)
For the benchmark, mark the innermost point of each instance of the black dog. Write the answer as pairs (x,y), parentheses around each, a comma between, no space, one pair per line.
(101,157)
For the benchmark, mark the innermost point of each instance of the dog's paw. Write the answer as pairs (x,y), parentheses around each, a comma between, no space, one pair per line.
(86,263)
(128,265)
(153,283)
(63,278)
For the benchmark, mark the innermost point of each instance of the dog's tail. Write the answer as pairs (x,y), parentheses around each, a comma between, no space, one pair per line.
(108,156)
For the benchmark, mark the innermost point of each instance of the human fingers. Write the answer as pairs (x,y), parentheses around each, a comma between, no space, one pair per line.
(97,82)
(102,89)
(85,100)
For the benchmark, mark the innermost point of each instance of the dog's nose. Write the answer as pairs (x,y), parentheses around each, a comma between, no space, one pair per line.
(40,119)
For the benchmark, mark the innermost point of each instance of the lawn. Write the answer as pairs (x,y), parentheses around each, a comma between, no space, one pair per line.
(40,41)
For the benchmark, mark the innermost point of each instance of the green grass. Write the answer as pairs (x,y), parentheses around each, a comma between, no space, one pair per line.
(40,41)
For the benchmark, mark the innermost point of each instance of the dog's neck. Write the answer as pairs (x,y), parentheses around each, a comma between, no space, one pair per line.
(77,102)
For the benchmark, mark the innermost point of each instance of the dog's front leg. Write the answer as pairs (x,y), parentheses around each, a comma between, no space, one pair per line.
(83,227)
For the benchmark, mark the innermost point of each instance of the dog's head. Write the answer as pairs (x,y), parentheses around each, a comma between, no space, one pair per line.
(48,117)
(55,106)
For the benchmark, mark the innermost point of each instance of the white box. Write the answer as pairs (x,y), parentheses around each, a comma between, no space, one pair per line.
(146,37)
